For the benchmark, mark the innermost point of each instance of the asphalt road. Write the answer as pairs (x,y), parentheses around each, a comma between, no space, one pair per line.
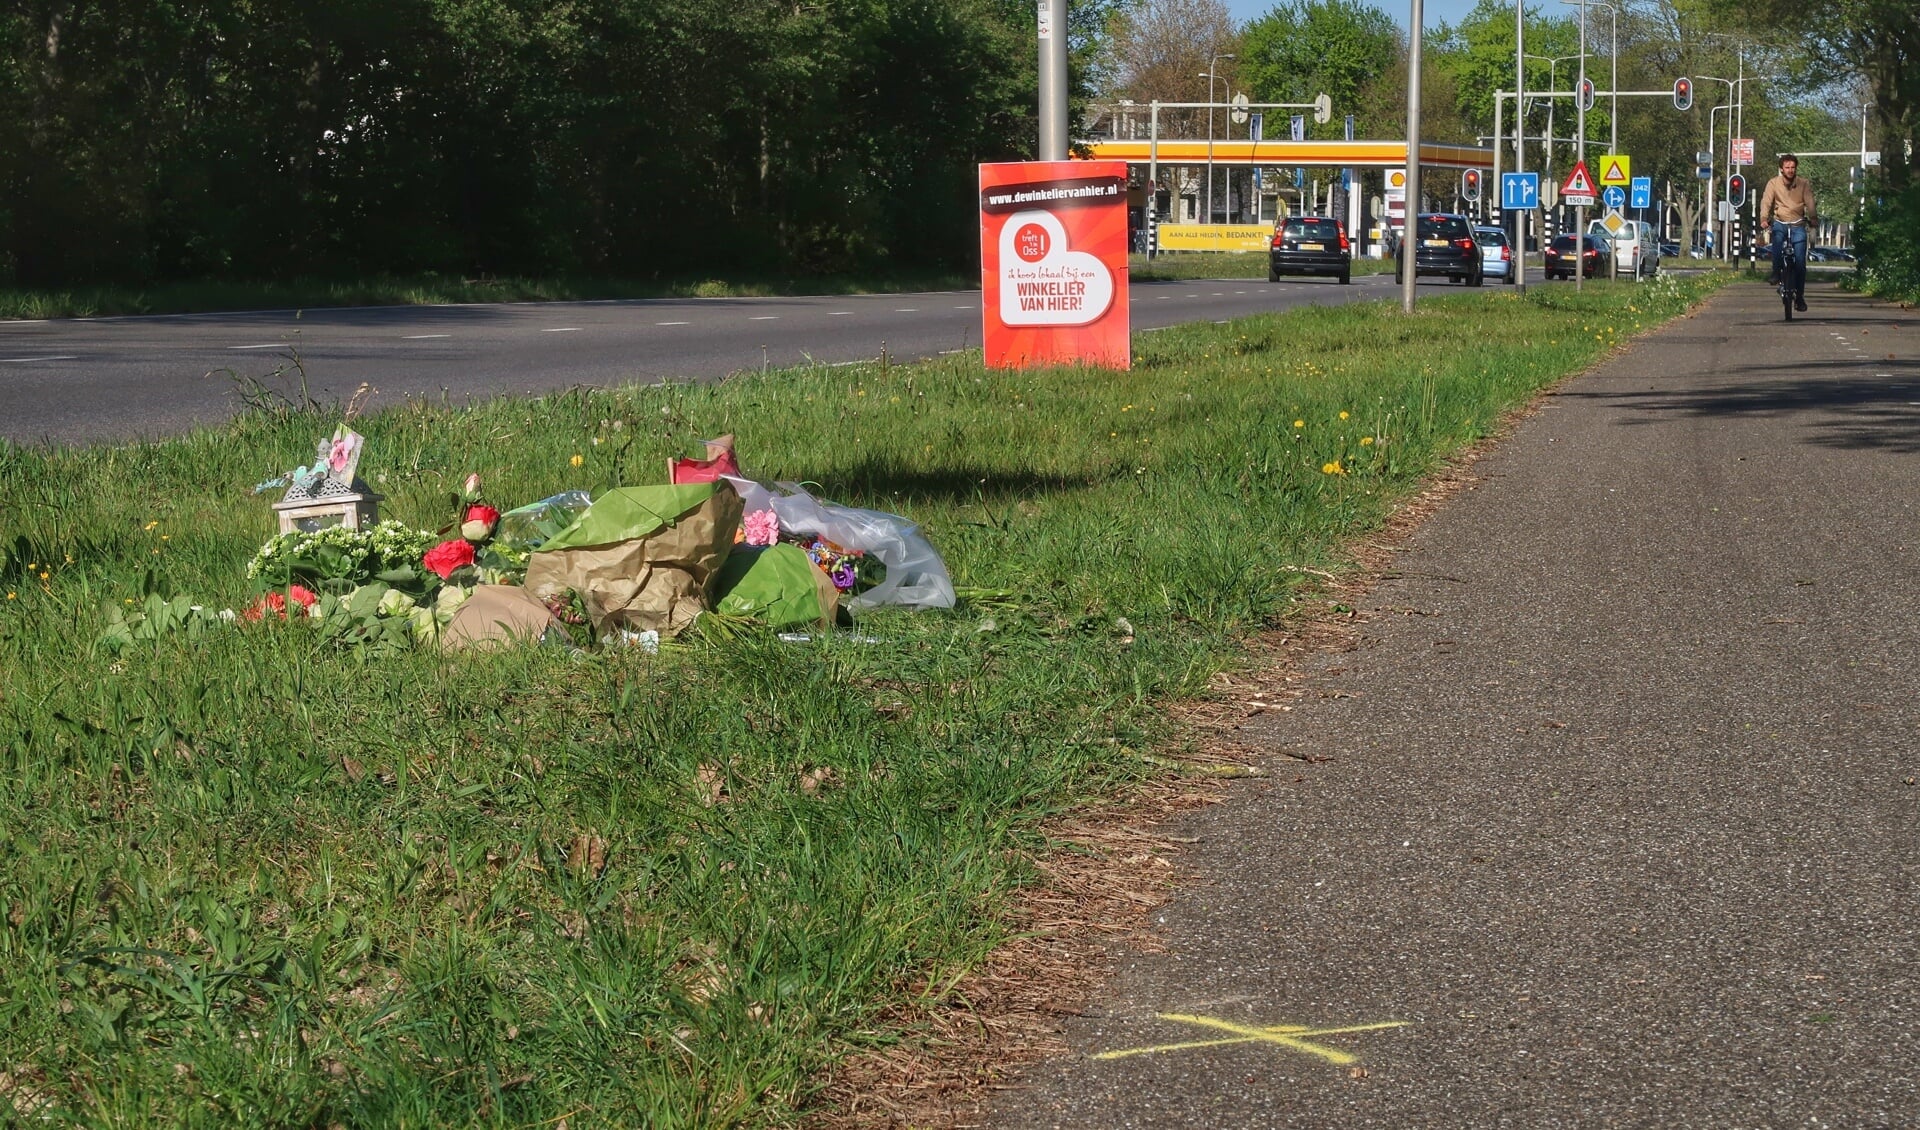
(79,380)
(1621,825)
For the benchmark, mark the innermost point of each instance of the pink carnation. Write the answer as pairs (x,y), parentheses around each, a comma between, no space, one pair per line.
(762,527)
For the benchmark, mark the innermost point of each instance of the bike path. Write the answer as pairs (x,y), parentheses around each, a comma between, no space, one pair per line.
(1620,824)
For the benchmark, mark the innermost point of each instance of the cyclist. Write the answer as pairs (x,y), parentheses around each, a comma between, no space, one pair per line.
(1786,209)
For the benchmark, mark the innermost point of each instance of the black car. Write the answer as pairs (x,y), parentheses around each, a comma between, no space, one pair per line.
(1560,256)
(1310,245)
(1443,245)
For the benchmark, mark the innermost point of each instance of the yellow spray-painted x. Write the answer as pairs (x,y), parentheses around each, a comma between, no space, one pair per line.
(1294,1037)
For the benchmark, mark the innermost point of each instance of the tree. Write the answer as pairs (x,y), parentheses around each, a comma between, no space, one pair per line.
(1304,48)
(1161,48)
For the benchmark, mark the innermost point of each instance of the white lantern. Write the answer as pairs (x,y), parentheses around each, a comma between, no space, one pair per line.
(329,503)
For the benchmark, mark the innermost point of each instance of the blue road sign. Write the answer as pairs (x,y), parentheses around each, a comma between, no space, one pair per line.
(1614,197)
(1641,195)
(1519,191)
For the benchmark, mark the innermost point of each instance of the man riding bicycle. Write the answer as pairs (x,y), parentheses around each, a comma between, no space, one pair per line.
(1786,209)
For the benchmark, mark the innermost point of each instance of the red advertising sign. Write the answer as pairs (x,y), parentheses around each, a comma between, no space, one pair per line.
(1053,264)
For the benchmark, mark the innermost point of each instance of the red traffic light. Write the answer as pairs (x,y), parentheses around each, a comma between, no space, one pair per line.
(1683,94)
(1736,190)
(1586,94)
(1470,184)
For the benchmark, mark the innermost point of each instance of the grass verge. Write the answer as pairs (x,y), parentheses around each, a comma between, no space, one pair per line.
(250,880)
(1173,266)
(431,290)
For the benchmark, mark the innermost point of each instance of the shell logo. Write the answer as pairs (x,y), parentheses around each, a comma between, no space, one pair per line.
(1397,179)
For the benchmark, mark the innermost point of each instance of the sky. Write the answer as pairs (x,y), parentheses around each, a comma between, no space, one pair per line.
(1434,11)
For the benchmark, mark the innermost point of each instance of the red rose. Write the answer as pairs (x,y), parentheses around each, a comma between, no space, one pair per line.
(481,512)
(448,556)
(275,602)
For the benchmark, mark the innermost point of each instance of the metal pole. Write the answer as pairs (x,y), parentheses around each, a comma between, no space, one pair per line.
(1208,217)
(1411,226)
(1053,80)
(1153,180)
(1519,139)
(1613,54)
(1580,212)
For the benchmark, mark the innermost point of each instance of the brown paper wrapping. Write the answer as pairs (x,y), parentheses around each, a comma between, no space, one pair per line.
(658,582)
(497,616)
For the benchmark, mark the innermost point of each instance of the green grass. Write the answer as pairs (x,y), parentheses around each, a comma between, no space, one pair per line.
(425,290)
(1218,265)
(253,881)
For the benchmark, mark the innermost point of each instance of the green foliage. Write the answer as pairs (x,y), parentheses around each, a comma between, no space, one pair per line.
(1887,244)
(248,881)
(1304,47)
(483,137)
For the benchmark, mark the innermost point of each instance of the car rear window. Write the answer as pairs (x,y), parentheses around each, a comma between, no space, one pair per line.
(1563,243)
(1443,227)
(1492,236)
(1311,228)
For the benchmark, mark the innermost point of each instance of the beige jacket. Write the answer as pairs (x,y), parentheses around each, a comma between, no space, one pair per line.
(1788,204)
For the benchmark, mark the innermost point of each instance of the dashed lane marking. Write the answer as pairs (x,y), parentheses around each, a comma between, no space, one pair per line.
(30,360)
(272,345)
(561,330)
(673,323)
(764,318)
(424,337)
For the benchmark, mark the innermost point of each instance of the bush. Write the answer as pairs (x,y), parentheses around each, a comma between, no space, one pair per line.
(1887,242)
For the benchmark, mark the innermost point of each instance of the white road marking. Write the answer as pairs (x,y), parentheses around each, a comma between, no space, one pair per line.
(423,337)
(963,307)
(28,360)
(562,330)
(673,323)
(764,318)
(275,345)
(840,314)
(906,310)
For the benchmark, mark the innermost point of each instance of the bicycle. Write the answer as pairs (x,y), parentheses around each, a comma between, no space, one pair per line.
(1793,278)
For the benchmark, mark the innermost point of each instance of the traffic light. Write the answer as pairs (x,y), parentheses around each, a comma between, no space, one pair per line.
(1736,190)
(1470,184)
(1683,93)
(1585,98)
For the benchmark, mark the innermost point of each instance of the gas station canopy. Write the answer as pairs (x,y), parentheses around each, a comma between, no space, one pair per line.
(1352,154)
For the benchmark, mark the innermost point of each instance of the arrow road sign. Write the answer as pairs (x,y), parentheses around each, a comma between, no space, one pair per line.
(1615,197)
(1641,194)
(1519,191)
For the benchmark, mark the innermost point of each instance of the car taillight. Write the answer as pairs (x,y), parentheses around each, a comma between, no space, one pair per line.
(1276,239)
(1343,236)
(1592,251)
(1463,244)
(1506,253)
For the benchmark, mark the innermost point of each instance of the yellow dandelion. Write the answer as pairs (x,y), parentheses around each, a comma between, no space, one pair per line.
(1299,423)
(577,460)
(152,524)
(1343,415)
(16,596)
(1333,468)
(1366,441)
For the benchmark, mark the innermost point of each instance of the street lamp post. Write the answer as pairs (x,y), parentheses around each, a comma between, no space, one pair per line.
(1731,106)
(1580,133)
(1213,67)
(1553,84)
(1410,224)
(1519,268)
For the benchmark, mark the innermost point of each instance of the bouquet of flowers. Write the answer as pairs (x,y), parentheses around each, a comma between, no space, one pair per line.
(338,559)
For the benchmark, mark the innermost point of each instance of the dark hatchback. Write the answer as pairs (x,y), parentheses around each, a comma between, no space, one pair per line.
(1444,245)
(1560,256)
(1310,245)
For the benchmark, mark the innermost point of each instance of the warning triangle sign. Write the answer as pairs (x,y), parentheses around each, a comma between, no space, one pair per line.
(1579,182)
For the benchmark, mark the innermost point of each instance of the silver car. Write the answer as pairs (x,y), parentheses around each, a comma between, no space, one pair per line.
(1496,254)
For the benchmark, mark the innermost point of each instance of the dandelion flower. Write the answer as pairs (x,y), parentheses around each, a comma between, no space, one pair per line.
(577,459)
(1366,441)
(1299,423)
(1333,468)
(13,596)
(1343,415)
